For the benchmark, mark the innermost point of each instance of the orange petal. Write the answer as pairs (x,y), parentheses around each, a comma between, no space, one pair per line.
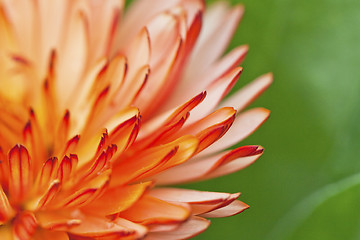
(186,147)
(155,128)
(62,133)
(60,220)
(6,211)
(20,181)
(49,195)
(42,234)
(48,173)
(153,160)
(125,134)
(135,167)
(71,145)
(6,232)
(67,167)
(36,144)
(4,170)
(98,228)
(99,165)
(115,200)
(81,193)
(149,210)
(210,128)
(24,226)
(191,228)
(244,124)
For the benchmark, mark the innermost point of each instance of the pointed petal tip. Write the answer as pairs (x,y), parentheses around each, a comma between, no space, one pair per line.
(268,77)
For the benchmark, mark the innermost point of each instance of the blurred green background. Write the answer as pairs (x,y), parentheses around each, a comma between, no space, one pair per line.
(307,184)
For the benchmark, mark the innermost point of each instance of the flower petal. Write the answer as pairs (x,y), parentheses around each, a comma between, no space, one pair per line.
(59,220)
(215,92)
(24,226)
(210,167)
(149,210)
(153,160)
(200,202)
(53,235)
(6,211)
(233,208)
(219,25)
(247,94)
(20,173)
(244,124)
(115,200)
(98,228)
(191,228)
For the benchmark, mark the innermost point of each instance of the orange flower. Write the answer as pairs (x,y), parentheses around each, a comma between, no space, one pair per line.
(75,75)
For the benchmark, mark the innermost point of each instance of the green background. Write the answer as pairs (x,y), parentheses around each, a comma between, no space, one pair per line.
(307,184)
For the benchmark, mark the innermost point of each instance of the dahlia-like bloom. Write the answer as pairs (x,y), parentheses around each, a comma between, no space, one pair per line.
(99,109)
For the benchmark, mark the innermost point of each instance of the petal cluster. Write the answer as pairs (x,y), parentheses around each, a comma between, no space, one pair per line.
(101,108)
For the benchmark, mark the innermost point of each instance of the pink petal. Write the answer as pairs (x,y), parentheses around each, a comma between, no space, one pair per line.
(194,226)
(188,196)
(200,202)
(233,208)
(220,23)
(165,42)
(73,52)
(215,92)
(233,166)
(132,23)
(210,167)
(247,94)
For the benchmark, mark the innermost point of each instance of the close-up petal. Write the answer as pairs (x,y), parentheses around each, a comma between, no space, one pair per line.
(104,102)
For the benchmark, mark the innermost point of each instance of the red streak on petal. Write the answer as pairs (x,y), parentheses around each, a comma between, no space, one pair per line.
(187,107)
(71,145)
(97,166)
(49,195)
(20,173)
(65,169)
(48,172)
(243,151)
(80,198)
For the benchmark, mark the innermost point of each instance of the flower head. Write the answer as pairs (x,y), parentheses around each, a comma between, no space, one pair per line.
(100,108)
